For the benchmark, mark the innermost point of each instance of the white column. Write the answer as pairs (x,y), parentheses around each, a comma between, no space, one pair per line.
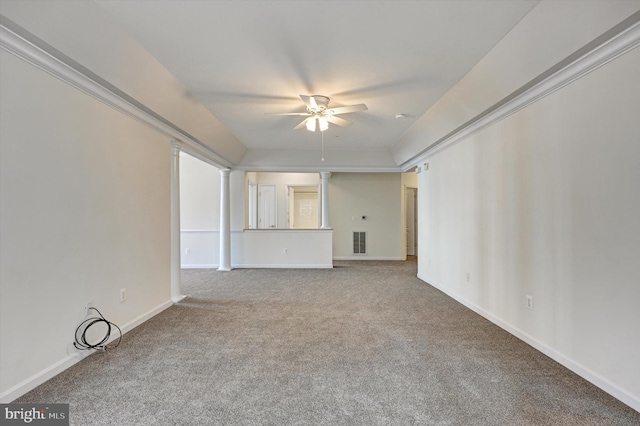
(176,291)
(324,176)
(225,222)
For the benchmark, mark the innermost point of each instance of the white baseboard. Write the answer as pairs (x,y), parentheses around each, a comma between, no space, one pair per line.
(264,265)
(199,266)
(284,266)
(367,258)
(53,370)
(594,378)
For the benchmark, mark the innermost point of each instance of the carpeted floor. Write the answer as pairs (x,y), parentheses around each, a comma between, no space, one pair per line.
(365,343)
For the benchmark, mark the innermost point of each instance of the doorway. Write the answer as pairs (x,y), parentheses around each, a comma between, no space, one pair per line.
(303,209)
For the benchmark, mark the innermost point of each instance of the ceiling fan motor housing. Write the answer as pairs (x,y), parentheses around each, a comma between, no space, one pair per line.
(321,101)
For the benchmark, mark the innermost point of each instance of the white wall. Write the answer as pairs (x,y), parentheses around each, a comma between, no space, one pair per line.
(378,196)
(282,248)
(199,213)
(84,212)
(546,203)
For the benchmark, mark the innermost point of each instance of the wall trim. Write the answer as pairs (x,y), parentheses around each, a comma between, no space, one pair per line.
(216,231)
(53,370)
(261,266)
(286,230)
(592,377)
(365,257)
(317,169)
(199,266)
(21,43)
(619,40)
(282,266)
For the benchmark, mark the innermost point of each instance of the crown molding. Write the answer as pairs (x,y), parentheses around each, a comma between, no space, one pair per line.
(319,169)
(19,42)
(619,40)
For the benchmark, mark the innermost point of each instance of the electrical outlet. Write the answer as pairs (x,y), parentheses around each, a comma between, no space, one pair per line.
(468,277)
(88,304)
(285,251)
(123,294)
(187,251)
(530,302)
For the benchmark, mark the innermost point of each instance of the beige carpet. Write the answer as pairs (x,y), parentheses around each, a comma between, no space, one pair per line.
(365,343)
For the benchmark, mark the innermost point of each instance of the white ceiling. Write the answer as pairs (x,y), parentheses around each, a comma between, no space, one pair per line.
(242,59)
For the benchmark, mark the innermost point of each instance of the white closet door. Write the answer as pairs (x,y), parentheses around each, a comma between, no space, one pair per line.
(267,206)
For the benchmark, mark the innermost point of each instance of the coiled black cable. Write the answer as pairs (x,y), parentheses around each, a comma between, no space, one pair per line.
(81,342)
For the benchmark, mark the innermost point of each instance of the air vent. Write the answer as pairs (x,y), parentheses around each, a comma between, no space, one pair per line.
(359,242)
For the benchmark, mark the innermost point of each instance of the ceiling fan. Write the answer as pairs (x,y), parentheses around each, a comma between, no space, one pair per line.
(318,112)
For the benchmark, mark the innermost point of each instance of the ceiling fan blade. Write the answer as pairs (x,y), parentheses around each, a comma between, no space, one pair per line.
(305,114)
(338,121)
(304,123)
(309,101)
(346,109)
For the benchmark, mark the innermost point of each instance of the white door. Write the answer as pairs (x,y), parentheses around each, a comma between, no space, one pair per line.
(267,206)
(410,219)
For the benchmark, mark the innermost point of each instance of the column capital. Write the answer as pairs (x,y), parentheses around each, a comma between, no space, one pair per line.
(325,175)
(225,172)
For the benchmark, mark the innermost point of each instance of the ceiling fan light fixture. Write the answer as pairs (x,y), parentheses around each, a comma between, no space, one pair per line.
(323,123)
(311,124)
(318,115)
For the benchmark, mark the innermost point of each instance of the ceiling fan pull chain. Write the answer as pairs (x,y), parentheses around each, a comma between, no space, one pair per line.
(322,133)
